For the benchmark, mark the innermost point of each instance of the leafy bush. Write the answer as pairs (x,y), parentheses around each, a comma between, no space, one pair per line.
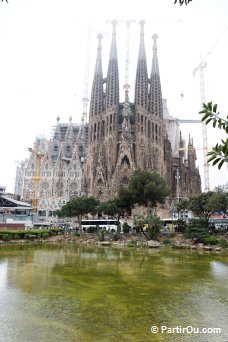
(126,228)
(211,240)
(77,234)
(56,230)
(132,243)
(101,234)
(198,230)
(167,242)
(91,229)
(115,236)
(223,243)
(180,226)
(6,237)
(172,235)
(154,226)
(45,235)
(24,234)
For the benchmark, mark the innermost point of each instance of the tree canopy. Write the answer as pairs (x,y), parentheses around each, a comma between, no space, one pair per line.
(147,188)
(206,204)
(79,206)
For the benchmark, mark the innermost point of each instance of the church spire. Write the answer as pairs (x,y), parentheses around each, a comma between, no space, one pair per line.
(141,84)
(112,81)
(96,103)
(155,95)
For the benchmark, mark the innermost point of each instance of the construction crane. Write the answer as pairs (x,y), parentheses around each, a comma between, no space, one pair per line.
(36,177)
(202,65)
(85,99)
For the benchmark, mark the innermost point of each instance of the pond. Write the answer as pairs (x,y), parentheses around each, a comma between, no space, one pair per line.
(77,293)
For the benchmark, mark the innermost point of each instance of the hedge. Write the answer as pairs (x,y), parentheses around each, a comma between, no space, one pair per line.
(23,234)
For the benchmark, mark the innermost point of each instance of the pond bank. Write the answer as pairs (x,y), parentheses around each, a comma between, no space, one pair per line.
(176,242)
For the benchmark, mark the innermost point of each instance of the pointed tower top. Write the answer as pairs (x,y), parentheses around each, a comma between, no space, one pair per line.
(142,52)
(155,69)
(70,118)
(112,79)
(113,51)
(96,103)
(98,68)
(142,23)
(141,83)
(114,23)
(58,119)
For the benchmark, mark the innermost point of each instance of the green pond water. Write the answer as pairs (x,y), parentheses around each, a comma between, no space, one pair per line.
(88,294)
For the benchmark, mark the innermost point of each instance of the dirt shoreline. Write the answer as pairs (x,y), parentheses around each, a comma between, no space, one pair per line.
(176,242)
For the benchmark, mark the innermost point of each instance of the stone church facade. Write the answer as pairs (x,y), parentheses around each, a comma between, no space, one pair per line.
(124,136)
(94,159)
(58,164)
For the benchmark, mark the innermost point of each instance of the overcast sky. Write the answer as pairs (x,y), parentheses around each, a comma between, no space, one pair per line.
(43,45)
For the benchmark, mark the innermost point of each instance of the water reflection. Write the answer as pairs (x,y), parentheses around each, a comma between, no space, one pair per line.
(219,269)
(3,274)
(85,294)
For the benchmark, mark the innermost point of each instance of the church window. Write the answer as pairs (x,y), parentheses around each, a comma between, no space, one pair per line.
(149,132)
(103,128)
(99,182)
(98,130)
(153,132)
(125,160)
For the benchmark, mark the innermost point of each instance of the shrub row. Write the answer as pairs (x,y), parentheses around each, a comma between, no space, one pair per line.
(30,234)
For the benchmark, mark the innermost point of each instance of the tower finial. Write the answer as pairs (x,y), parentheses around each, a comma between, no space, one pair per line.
(114,23)
(142,23)
(155,36)
(99,37)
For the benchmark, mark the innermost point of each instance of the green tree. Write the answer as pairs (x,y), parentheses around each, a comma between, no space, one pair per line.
(147,188)
(79,206)
(109,208)
(201,206)
(219,153)
(182,205)
(154,226)
(139,223)
(118,206)
(219,200)
(152,223)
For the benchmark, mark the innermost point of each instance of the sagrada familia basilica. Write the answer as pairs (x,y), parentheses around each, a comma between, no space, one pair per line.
(95,158)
